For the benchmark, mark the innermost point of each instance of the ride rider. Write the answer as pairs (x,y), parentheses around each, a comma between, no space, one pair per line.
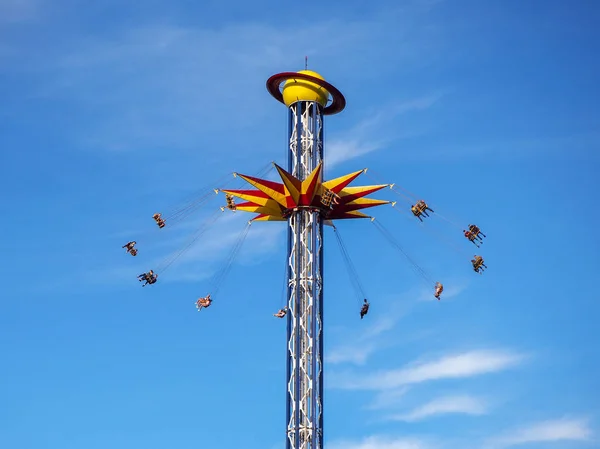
(364,309)
(281,313)
(439,288)
(159,220)
(330,198)
(150,277)
(476,231)
(419,209)
(230,201)
(203,302)
(478,264)
(471,237)
(130,248)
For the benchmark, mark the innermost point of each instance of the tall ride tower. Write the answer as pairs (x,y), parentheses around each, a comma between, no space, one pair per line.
(306,96)
(306,203)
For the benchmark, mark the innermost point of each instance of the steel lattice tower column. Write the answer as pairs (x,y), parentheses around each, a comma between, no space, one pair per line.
(305,287)
(306,95)
(306,203)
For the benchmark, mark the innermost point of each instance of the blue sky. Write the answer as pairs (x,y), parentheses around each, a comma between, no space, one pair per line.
(111,111)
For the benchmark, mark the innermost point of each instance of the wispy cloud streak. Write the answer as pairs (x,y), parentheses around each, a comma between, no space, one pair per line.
(467,405)
(387,399)
(448,367)
(358,349)
(147,86)
(204,257)
(564,429)
(375,131)
(379,442)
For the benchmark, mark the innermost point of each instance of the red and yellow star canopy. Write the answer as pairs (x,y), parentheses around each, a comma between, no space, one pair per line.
(272,201)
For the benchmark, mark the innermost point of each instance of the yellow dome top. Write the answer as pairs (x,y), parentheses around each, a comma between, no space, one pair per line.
(300,90)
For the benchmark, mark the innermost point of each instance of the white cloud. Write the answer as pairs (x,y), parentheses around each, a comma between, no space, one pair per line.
(358,349)
(207,256)
(360,139)
(154,85)
(219,241)
(342,150)
(387,399)
(163,86)
(383,324)
(379,442)
(356,354)
(451,290)
(150,86)
(467,364)
(450,404)
(564,429)
(204,257)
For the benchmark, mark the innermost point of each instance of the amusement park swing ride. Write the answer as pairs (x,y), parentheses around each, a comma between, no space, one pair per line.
(307,203)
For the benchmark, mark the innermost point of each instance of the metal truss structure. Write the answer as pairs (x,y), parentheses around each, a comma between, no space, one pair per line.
(305,202)
(305,287)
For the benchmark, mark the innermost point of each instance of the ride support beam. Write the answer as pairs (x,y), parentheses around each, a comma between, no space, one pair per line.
(305,287)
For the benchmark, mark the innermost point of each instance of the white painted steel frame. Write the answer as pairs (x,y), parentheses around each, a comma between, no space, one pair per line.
(305,288)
